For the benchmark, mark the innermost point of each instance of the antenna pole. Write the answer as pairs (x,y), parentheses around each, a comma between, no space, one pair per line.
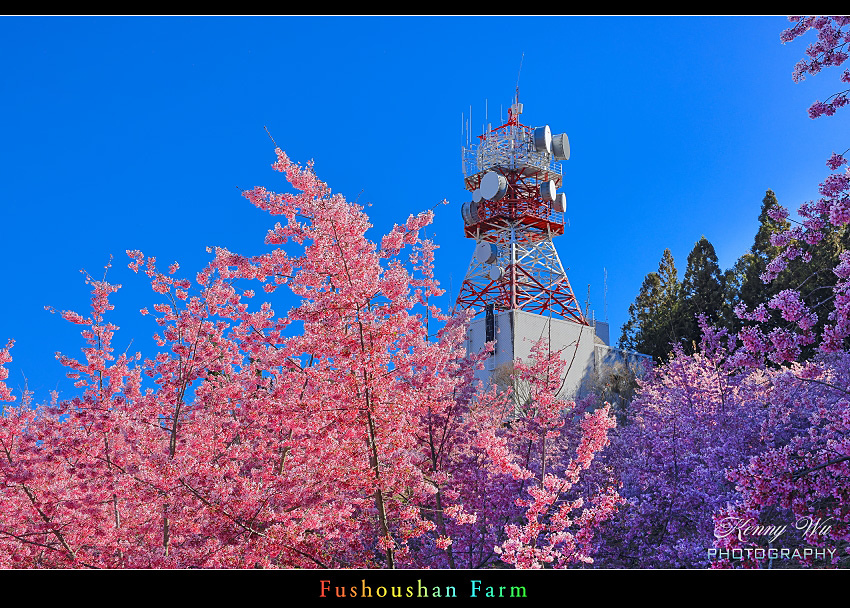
(517,78)
(605,292)
(511,173)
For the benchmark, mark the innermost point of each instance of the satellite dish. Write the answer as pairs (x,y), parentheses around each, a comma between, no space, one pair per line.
(494,186)
(464,213)
(486,253)
(547,190)
(561,146)
(469,212)
(496,273)
(476,195)
(560,203)
(543,139)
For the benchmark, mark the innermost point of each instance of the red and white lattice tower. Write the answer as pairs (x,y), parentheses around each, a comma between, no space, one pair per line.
(516,277)
(516,210)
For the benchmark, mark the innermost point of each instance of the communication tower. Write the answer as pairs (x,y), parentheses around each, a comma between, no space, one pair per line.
(514,173)
(516,278)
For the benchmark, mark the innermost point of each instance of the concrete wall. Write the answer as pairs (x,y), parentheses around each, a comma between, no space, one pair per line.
(581,349)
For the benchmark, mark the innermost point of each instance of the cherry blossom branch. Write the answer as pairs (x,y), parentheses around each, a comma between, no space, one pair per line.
(795,475)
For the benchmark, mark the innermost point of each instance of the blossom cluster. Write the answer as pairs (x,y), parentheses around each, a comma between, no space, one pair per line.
(344,433)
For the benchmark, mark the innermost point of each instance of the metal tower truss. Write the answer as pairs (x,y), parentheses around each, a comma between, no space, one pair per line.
(525,275)
(514,214)
(524,202)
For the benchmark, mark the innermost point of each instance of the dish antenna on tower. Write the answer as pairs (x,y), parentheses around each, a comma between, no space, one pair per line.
(513,174)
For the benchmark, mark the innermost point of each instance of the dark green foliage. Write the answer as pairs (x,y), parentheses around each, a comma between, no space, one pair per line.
(813,279)
(733,281)
(665,310)
(752,290)
(702,293)
(653,317)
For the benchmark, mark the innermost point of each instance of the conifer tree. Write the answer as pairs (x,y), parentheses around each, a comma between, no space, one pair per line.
(809,271)
(639,325)
(733,281)
(702,292)
(753,290)
(652,324)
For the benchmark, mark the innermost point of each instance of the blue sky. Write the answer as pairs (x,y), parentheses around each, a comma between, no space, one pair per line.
(138,132)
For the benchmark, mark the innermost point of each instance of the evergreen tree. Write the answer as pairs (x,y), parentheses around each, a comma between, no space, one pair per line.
(814,279)
(733,281)
(667,316)
(702,293)
(641,313)
(652,324)
(753,291)
(665,310)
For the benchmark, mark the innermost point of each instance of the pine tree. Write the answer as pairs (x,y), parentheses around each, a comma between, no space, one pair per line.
(652,324)
(814,279)
(753,291)
(733,281)
(641,313)
(702,292)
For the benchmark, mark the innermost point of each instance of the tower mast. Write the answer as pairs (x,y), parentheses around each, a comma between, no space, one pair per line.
(513,173)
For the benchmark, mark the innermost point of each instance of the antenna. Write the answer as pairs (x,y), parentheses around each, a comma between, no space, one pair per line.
(514,214)
(605,292)
(517,77)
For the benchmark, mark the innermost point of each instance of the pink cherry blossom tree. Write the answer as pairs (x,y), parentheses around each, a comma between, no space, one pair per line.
(543,449)
(343,433)
(693,418)
(801,475)
(800,484)
(828,50)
